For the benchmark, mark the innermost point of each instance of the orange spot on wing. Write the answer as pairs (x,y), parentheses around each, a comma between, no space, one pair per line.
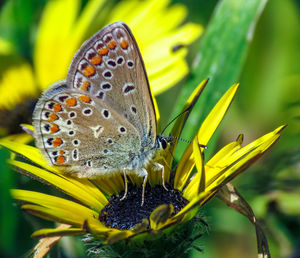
(54,128)
(57,107)
(85,99)
(103,51)
(89,71)
(71,102)
(61,152)
(96,60)
(124,44)
(57,142)
(60,159)
(112,44)
(85,86)
(52,117)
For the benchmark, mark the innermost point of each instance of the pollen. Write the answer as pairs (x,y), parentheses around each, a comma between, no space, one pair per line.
(124,44)
(57,108)
(57,142)
(112,45)
(84,98)
(96,60)
(103,51)
(54,128)
(89,71)
(71,102)
(52,117)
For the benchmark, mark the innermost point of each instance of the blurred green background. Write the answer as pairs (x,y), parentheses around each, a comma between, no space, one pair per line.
(269,96)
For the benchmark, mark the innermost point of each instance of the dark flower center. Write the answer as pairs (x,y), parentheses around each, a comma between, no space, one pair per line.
(21,113)
(129,212)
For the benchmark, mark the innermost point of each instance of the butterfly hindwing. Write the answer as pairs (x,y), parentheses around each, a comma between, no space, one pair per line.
(70,138)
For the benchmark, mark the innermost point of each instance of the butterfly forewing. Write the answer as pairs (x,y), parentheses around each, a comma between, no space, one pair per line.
(110,67)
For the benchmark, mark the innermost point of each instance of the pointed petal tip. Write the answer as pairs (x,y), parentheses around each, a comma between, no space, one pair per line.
(235,86)
(27,129)
(280,128)
(240,139)
(206,80)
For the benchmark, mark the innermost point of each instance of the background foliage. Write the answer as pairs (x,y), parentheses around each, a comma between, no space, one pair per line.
(268,68)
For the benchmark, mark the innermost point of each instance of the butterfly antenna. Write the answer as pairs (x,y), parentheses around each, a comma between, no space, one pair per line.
(184,140)
(179,138)
(175,119)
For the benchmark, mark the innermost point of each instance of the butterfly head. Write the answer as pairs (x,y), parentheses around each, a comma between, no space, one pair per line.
(163,142)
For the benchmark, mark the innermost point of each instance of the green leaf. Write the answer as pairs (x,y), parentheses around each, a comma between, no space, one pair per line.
(8,214)
(221,56)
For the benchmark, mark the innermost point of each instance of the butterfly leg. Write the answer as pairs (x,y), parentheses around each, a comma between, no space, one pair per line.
(126,185)
(143,172)
(159,166)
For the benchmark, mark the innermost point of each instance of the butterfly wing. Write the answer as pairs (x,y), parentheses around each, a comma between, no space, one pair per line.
(81,133)
(102,118)
(109,66)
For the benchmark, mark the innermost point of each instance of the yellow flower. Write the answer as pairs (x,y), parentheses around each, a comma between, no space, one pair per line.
(89,210)
(63,28)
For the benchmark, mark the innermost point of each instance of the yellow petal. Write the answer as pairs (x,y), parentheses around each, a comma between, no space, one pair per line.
(187,162)
(28,152)
(87,18)
(16,84)
(199,160)
(118,236)
(35,156)
(184,168)
(243,159)
(53,49)
(192,190)
(161,81)
(236,161)
(157,114)
(54,208)
(182,35)
(245,156)
(154,27)
(195,203)
(225,152)
(163,61)
(214,118)
(52,232)
(160,215)
(112,185)
(94,199)
(28,126)
(99,230)
(204,134)
(137,13)
(21,138)
(162,22)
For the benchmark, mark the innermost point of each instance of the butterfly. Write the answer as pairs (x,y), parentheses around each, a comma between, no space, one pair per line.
(101,120)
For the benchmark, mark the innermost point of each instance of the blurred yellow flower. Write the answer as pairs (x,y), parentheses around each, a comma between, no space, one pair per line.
(63,28)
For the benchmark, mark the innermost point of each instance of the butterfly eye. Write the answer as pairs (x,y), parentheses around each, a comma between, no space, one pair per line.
(164,144)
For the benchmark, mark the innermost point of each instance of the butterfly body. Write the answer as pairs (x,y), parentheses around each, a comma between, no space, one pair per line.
(101,119)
